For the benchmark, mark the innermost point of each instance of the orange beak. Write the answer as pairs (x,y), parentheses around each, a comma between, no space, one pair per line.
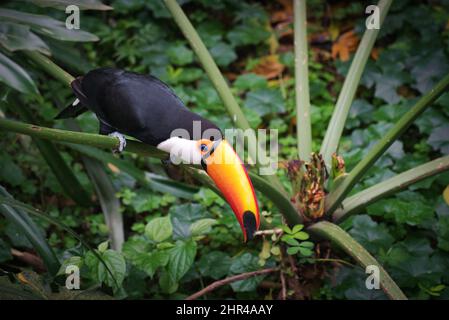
(224,166)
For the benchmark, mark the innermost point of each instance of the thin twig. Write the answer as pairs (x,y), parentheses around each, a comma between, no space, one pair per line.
(228,280)
(284,286)
(268,232)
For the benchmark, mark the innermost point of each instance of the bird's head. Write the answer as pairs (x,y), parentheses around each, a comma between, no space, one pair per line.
(223,165)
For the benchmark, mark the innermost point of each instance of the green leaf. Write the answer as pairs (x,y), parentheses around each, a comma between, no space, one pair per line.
(215,264)
(180,55)
(102,247)
(10,172)
(182,216)
(62,4)
(246,34)
(439,139)
(202,226)
(297,228)
(5,251)
(14,76)
(370,234)
(250,81)
(155,260)
(293,250)
(245,263)
(181,259)
(289,240)
(167,283)
(10,209)
(305,252)
(300,235)
(223,54)
(72,261)
(19,37)
(115,263)
(265,101)
(159,229)
(46,26)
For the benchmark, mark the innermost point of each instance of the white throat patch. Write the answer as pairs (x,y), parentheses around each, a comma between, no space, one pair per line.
(181,150)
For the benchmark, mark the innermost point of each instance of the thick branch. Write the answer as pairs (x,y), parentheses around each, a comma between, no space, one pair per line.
(229,280)
(90,139)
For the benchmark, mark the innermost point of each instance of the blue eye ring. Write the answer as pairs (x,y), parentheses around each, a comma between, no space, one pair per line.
(204,147)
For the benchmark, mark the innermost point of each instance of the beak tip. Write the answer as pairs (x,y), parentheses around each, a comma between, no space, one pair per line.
(249,224)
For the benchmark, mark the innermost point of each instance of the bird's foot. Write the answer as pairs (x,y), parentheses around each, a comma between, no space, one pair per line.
(121,139)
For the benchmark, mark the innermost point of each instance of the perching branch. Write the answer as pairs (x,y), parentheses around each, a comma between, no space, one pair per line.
(90,139)
(229,280)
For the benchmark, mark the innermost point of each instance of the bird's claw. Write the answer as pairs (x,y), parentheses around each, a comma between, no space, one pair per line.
(121,139)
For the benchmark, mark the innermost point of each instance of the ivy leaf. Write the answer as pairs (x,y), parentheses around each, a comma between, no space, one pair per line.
(265,101)
(250,81)
(223,54)
(180,55)
(202,226)
(215,264)
(246,34)
(116,264)
(9,171)
(245,263)
(159,229)
(167,283)
(155,260)
(182,216)
(181,258)
(439,139)
(370,234)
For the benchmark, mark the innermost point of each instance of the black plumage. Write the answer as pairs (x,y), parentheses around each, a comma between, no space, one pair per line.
(138,105)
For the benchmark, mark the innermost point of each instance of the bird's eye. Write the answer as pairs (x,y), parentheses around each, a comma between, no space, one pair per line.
(204,147)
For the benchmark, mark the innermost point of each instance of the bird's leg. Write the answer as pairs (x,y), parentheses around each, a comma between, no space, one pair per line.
(108,130)
(122,141)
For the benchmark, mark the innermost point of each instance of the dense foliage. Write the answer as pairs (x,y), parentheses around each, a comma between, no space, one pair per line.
(179,239)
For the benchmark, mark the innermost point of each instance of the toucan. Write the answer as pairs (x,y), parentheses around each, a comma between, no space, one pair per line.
(145,108)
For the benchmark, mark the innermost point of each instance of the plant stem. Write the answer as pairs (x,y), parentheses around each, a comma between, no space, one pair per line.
(343,240)
(219,82)
(50,67)
(336,196)
(401,181)
(344,102)
(303,126)
(90,139)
